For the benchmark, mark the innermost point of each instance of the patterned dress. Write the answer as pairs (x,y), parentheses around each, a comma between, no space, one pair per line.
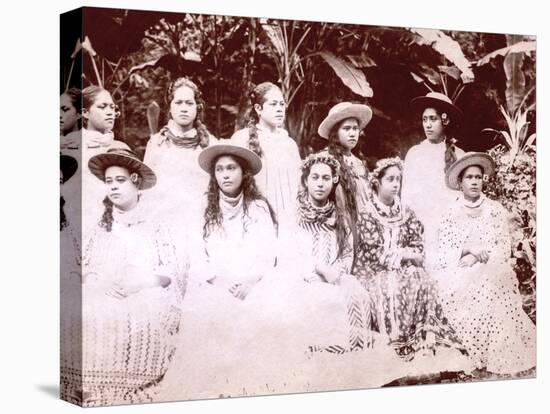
(482,302)
(341,309)
(128,343)
(406,305)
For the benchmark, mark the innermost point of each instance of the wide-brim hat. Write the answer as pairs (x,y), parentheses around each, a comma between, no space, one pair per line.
(438,101)
(122,156)
(469,159)
(208,155)
(68,166)
(344,110)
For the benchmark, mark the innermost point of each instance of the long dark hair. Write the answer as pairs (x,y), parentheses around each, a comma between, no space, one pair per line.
(106,220)
(347,180)
(257,96)
(342,228)
(213,217)
(448,127)
(198,122)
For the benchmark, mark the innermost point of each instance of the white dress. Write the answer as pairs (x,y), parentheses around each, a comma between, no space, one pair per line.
(482,302)
(128,343)
(181,183)
(279,178)
(424,190)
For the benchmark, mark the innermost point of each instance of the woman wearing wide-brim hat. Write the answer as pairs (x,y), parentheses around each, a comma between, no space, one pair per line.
(477,284)
(133,284)
(238,251)
(424,188)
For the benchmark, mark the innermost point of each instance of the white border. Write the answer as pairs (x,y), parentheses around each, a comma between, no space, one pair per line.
(29,283)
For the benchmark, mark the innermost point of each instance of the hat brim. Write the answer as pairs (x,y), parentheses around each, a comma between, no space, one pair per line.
(362,113)
(99,163)
(469,159)
(68,166)
(422,102)
(208,155)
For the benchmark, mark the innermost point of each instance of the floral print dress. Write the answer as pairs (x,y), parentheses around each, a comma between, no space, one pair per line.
(406,307)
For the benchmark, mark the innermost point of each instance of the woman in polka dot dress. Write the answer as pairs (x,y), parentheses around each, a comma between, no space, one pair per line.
(477,284)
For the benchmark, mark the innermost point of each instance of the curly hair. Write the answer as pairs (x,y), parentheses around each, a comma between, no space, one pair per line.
(198,122)
(213,217)
(106,220)
(342,227)
(347,180)
(257,97)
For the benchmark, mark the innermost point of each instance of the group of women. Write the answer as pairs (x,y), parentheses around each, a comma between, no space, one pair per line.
(233,267)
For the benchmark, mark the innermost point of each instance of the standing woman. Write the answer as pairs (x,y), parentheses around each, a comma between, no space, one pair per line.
(69,118)
(343,127)
(173,153)
(133,286)
(265,135)
(389,264)
(424,188)
(476,279)
(99,113)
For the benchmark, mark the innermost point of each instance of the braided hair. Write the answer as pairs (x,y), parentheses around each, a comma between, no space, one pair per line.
(198,122)
(257,97)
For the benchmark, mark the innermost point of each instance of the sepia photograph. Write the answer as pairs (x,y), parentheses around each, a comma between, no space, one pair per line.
(255,206)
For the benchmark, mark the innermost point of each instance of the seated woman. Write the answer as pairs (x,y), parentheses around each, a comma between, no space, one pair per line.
(238,232)
(389,264)
(476,280)
(132,289)
(340,309)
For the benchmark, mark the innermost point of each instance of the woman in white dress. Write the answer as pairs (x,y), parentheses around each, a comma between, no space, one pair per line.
(173,153)
(424,188)
(477,284)
(279,178)
(133,286)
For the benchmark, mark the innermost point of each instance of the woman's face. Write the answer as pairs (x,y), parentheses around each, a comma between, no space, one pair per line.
(471,183)
(433,125)
(389,185)
(272,112)
(68,115)
(229,175)
(183,107)
(101,114)
(120,188)
(348,133)
(319,183)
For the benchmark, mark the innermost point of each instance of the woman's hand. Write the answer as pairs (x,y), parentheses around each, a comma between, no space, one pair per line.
(481,254)
(468,261)
(416,258)
(241,290)
(328,273)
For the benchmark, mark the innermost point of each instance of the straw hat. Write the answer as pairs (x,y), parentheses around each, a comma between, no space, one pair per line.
(469,159)
(345,110)
(439,101)
(121,155)
(208,155)
(68,166)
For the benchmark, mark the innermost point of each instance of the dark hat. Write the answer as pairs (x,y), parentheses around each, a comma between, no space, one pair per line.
(439,101)
(68,165)
(122,156)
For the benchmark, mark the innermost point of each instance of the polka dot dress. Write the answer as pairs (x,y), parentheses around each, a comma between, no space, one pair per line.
(482,302)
